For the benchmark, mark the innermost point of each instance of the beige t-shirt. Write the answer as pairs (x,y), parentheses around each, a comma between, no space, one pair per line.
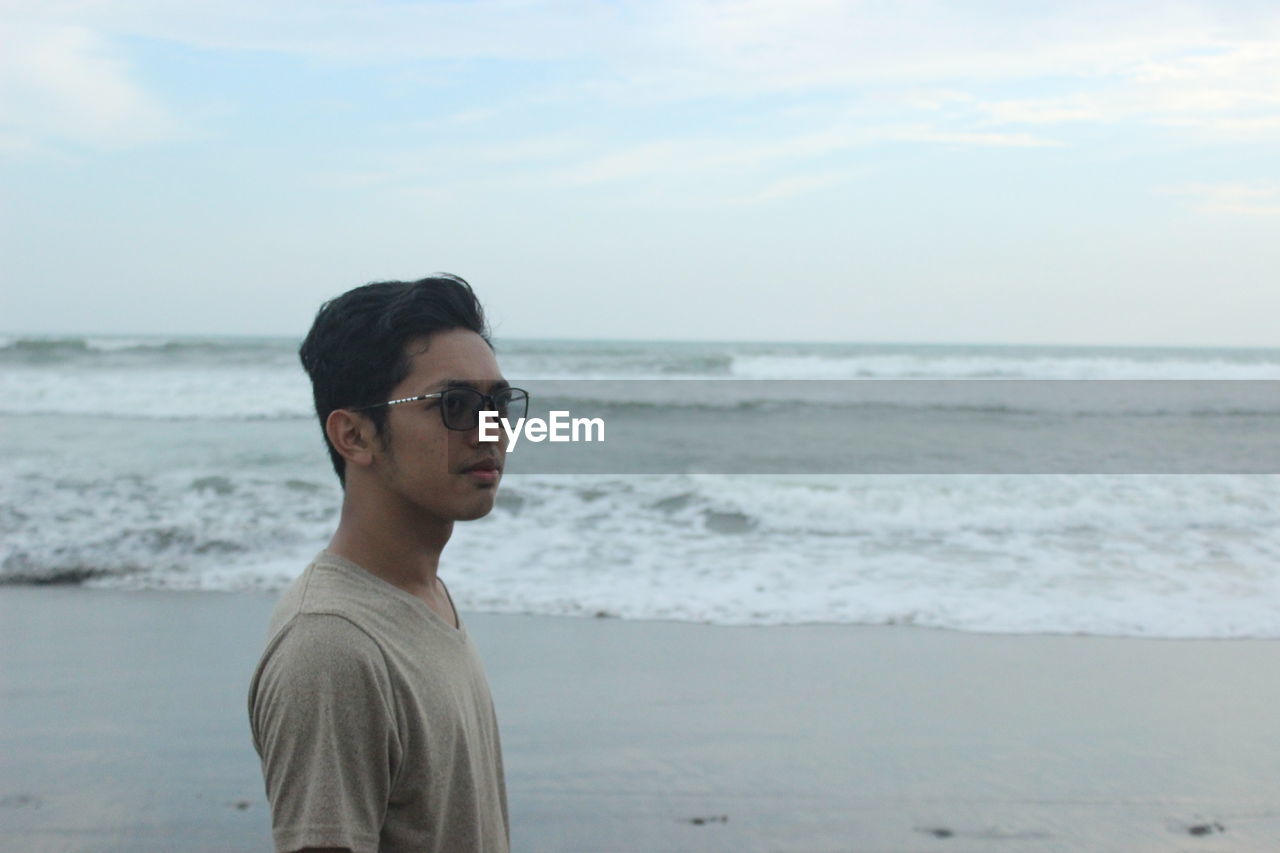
(373,719)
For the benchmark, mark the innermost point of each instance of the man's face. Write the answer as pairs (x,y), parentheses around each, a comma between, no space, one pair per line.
(430,467)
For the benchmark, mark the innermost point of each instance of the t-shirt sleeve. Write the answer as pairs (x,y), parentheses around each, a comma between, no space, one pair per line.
(323,719)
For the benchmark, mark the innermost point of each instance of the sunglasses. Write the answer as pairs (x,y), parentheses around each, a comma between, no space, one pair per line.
(460,407)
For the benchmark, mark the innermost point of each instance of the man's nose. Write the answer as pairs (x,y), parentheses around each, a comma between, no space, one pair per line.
(473,434)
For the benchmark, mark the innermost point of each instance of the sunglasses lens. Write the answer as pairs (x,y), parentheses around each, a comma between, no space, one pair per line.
(459,407)
(512,404)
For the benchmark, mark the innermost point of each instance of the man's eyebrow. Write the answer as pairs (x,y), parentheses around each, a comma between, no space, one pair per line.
(496,385)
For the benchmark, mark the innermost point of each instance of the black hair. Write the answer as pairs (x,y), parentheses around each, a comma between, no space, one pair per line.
(356,352)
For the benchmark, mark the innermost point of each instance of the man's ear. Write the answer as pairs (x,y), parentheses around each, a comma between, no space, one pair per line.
(352,435)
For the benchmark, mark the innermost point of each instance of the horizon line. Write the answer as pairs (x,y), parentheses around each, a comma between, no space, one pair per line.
(12,335)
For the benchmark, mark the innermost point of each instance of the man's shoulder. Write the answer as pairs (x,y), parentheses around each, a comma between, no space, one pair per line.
(317,625)
(315,663)
(329,586)
(323,641)
(322,635)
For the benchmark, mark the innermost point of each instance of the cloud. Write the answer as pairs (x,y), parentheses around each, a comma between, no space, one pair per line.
(802,185)
(701,156)
(710,46)
(1229,89)
(1045,110)
(745,46)
(479,115)
(534,149)
(1236,128)
(1232,198)
(1177,65)
(1000,140)
(353,30)
(63,83)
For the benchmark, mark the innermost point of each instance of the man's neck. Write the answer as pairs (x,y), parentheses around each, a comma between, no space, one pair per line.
(387,541)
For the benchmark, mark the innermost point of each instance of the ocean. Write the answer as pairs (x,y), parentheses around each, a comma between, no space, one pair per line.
(197,463)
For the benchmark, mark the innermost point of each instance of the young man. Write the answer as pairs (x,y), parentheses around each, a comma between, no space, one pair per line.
(369,707)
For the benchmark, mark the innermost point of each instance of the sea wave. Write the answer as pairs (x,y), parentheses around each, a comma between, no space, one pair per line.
(1134,556)
(668,360)
(108,492)
(921,366)
(229,392)
(90,351)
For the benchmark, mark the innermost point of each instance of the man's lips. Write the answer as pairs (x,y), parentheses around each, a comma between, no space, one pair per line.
(482,465)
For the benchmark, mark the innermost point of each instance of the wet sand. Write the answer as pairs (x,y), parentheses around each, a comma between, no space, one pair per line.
(123,728)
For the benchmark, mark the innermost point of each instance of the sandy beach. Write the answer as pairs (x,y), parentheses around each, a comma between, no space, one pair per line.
(124,729)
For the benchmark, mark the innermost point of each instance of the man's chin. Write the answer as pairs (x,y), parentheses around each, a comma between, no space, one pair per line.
(479,510)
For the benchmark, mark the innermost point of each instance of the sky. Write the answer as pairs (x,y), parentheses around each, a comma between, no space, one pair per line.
(809,170)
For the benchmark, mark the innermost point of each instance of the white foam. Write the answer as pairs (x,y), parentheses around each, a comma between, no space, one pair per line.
(216,504)
(187,392)
(189,378)
(1131,556)
(1139,556)
(949,366)
(123,344)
